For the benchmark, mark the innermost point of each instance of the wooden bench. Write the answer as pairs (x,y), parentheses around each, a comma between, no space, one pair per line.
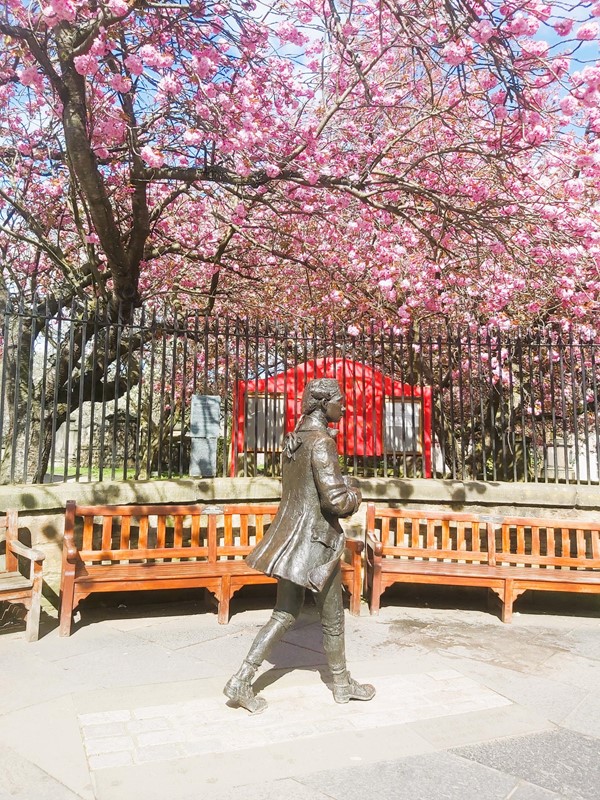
(125,548)
(16,587)
(430,547)
(507,555)
(549,555)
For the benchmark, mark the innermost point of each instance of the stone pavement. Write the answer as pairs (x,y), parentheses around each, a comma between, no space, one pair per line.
(131,706)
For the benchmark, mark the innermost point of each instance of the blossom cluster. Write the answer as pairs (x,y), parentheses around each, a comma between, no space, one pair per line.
(381,162)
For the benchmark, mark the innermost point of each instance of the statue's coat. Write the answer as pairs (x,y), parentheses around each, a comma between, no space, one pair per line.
(305,540)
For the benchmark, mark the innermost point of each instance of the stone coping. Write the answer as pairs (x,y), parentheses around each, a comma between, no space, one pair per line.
(382,490)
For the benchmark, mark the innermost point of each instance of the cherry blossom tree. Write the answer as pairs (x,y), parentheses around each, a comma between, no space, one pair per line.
(383,161)
(194,148)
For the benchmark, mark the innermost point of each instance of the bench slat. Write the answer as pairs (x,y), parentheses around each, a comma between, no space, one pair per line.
(88,532)
(546,561)
(107,533)
(13,580)
(144,525)
(414,553)
(125,533)
(161,531)
(143,553)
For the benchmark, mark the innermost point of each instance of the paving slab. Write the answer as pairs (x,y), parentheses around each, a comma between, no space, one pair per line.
(435,775)
(252,768)
(21,779)
(561,761)
(585,717)
(477,726)
(47,735)
(531,690)
(131,705)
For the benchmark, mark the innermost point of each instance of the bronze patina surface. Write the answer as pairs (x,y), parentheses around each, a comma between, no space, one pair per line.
(304,544)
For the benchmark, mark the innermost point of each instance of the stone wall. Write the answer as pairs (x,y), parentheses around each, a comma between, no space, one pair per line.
(41,507)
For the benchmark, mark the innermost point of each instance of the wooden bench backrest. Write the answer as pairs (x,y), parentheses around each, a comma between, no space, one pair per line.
(548,543)
(429,535)
(9,526)
(243,527)
(167,532)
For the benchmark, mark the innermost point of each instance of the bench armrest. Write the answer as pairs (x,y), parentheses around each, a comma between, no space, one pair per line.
(374,544)
(28,552)
(356,545)
(70,551)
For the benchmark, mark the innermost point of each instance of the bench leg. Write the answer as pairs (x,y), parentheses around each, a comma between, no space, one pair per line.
(355,587)
(224,598)
(375,586)
(510,595)
(65,618)
(355,603)
(507,605)
(32,630)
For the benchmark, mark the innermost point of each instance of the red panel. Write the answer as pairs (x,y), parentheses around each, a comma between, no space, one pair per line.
(364,389)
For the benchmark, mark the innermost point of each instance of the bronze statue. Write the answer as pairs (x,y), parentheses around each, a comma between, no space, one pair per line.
(304,545)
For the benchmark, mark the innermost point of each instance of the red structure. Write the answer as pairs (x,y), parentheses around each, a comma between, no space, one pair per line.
(370,398)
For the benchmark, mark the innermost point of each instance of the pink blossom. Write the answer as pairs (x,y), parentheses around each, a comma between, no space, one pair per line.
(482,31)
(118,7)
(353,330)
(52,188)
(312,177)
(591,76)
(569,105)
(99,47)
(595,9)
(456,53)
(58,11)
(152,157)
(537,134)
(560,65)
(120,83)
(193,137)
(522,25)
(272,170)
(134,65)
(240,212)
(29,76)
(574,187)
(587,31)
(86,64)
(203,66)
(169,85)
(534,47)
(153,57)
(564,26)
(287,32)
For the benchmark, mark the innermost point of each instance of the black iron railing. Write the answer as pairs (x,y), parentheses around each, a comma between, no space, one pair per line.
(85,395)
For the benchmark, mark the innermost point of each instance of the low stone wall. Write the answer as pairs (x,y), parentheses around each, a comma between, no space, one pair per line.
(41,508)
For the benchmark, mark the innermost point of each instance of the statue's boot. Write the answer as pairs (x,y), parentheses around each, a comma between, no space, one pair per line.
(345,688)
(238,688)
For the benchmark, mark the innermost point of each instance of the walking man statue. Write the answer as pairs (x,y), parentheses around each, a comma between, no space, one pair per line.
(304,545)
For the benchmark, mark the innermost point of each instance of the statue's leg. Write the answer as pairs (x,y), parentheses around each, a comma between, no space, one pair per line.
(238,689)
(331,610)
